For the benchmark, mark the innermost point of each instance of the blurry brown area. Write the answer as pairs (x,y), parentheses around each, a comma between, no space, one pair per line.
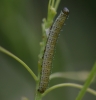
(20,33)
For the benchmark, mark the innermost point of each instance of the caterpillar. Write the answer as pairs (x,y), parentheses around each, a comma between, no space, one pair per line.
(49,49)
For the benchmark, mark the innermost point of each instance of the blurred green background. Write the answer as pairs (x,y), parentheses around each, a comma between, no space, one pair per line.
(20,33)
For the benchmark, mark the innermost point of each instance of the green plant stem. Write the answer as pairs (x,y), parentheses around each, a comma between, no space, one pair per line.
(38,96)
(53,1)
(68,85)
(70,75)
(20,61)
(57,3)
(73,75)
(87,83)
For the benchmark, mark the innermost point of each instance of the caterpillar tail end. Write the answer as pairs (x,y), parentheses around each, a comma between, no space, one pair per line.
(41,91)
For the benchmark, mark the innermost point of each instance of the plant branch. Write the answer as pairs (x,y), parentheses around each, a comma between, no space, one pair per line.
(87,83)
(20,61)
(57,3)
(68,85)
(79,76)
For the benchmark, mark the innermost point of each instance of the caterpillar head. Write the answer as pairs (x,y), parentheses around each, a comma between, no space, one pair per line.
(65,10)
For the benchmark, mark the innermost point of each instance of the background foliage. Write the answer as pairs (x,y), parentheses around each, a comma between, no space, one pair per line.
(20,33)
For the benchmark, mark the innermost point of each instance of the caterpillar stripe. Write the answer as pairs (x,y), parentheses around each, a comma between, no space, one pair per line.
(49,49)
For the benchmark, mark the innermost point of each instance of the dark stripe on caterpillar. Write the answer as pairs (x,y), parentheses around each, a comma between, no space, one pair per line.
(49,49)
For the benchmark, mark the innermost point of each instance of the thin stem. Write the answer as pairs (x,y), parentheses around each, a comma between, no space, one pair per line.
(20,61)
(57,4)
(79,76)
(68,85)
(38,96)
(53,3)
(87,83)
(49,4)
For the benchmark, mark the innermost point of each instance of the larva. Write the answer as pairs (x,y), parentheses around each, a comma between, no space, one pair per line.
(49,49)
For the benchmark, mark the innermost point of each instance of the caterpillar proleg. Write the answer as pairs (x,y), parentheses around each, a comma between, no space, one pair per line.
(49,49)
